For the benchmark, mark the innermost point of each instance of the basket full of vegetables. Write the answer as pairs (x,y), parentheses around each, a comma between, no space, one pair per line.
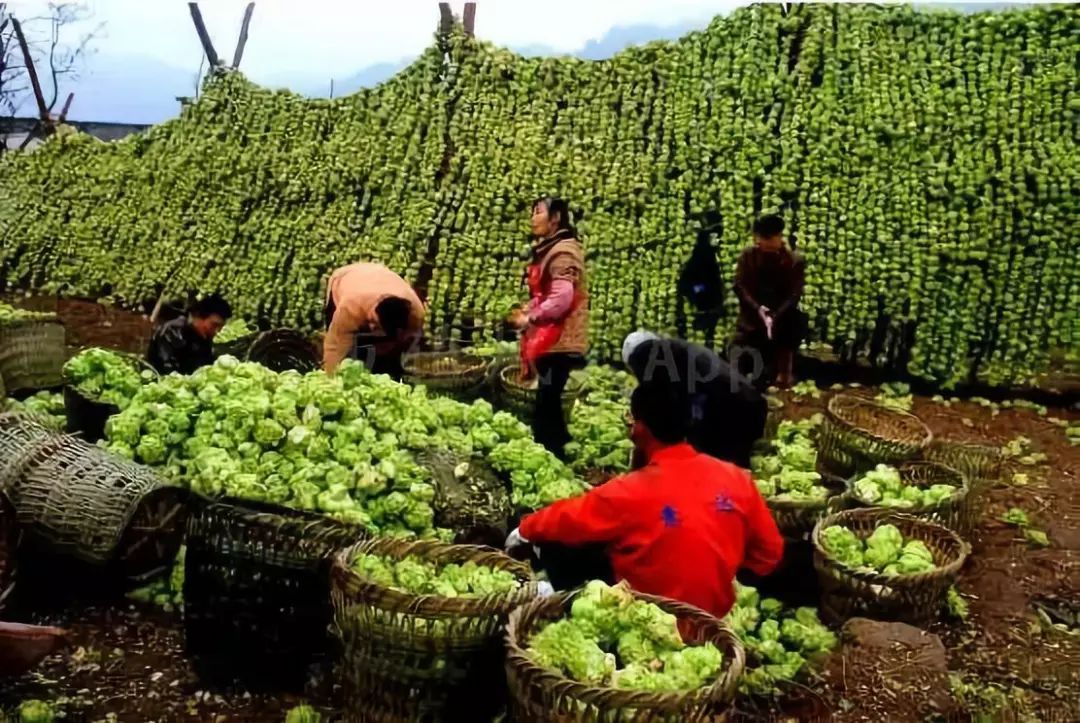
(885,565)
(80,501)
(608,653)
(455,373)
(99,383)
(787,472)
(420,627)
(858,434)
(924,489)
(255,582)
(33,346)
(518,395)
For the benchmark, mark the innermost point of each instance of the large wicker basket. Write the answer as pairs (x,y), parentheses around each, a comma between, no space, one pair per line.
(83,502)
(455,374)
(858,434)
(256,581)
(979,463)
(21,438)
(848,592)
(952,512)
(538,694)
(32,354)
(520,399)
(9,543)
(796,518)
(87,417)
(284,349)
(422,657)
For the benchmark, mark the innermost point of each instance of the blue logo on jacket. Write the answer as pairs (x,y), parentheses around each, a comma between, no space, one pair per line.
(724,504)
(670,516)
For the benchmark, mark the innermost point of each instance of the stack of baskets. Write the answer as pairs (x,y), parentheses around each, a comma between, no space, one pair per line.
(87,417)
(952,512)
(858,434)
(255,582)
(519,397)
(453,373)
(79,501)
(539,695)
(917,598)
(32,354)
(413,657)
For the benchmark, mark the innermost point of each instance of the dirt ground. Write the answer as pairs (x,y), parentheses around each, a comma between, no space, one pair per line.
(127,662)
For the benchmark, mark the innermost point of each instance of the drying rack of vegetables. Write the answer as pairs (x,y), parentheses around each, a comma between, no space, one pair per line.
(458,374)
(927,490)
(420,627)
(99,383)
(885,565)
(858,434)
(33,347)
(609,653)
(255,582)
(78,500)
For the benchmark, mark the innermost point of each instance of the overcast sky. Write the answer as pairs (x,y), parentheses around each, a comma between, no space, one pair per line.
(314,36)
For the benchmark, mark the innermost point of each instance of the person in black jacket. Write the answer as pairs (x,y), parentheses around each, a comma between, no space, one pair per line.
(727,414)
(186,343)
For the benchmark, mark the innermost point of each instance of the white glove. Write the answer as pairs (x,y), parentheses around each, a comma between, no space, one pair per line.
(545,589)
(514,540)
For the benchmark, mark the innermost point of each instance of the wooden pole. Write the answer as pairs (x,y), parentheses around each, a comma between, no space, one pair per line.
(204,37)
(446,19)
(470,19)
(243,36)
(43,110)
(66,108)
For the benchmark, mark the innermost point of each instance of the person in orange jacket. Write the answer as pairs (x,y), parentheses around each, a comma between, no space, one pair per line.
(681,527)
(372,314)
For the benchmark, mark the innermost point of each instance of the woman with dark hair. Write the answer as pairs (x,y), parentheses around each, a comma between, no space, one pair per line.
(555,322)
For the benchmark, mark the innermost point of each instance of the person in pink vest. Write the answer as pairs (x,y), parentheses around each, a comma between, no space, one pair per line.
(372,314)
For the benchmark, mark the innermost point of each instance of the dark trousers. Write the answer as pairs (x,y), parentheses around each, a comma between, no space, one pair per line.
(549,422)
(569,567)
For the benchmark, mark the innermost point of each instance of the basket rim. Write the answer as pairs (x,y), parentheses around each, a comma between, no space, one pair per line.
(721,691)
(476,364)
(570,391)
(962,490)
(901,520)
(837,402)
(429,605)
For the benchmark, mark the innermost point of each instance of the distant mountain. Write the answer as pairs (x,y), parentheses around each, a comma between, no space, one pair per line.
(129,89)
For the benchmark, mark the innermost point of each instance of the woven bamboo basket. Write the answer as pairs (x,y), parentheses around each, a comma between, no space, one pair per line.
(256,577)
(82,502)
(520,399)
(540,695)
(796,518)
(237,347)
(413,657)
(21,438)
(284,349)
(32,354)
(9,544)
(455,374)
(87,416)
(979,463)
(858,434)
(848,592)
(952,512)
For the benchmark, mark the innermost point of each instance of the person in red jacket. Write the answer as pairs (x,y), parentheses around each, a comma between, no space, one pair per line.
(681,527)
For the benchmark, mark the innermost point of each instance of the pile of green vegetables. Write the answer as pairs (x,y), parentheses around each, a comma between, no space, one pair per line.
(598,422)
(885,550)
(35,711)
(612,639)
(780,640)
(234,329)
(343,445)
(106,376)
(787,470)
(14,315)
(417,576)
(884,487)
(166,592)
(46,407)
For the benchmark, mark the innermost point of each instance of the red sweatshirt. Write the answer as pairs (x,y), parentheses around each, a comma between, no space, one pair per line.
(680,527)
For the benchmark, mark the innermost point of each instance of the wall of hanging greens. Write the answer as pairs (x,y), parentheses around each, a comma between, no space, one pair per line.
(928,164)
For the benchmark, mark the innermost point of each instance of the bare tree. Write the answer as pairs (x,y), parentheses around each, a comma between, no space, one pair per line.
(57,40)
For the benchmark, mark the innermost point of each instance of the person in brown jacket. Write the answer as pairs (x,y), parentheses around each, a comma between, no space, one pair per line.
(769,280)
(372,314)
(555,323)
